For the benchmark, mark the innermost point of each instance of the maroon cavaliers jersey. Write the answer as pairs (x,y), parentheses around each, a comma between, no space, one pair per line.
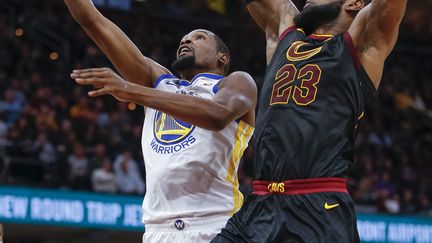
(312,99)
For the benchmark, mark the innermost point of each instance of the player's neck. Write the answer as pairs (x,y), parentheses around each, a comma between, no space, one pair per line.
(333,28)
(190,74)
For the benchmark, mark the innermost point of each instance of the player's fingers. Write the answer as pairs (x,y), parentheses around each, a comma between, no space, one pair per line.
(90,81)
(86,70)
(90,72)
(99,92)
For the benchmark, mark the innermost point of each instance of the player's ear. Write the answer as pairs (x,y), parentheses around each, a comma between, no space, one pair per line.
(224,59)
(354,5)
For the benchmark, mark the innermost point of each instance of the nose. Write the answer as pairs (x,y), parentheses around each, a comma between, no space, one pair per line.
(185,41)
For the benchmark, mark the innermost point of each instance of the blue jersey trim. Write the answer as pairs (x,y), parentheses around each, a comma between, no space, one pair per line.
(216,87)
(184,83)
(162,77)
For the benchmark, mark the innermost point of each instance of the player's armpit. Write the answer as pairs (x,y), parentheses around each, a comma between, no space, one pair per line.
(121,51)
(374,32)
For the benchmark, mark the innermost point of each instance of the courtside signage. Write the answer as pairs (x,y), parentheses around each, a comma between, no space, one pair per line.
(90,210)
(61,208)
(378,228)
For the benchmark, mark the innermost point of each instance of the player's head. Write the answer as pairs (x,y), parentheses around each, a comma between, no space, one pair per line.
(317,13)
(202,50)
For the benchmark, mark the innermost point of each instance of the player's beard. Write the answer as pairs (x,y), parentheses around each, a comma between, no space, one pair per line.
(183,63)
(315,16)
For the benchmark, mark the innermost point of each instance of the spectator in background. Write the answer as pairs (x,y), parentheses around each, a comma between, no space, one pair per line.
(47,154)
(79,169)
(46,118)
(99,157)
(408,204)
(102,118)
(12,106)
(103,178)
(81,111)
(3,133)
(126,156)
(128,179)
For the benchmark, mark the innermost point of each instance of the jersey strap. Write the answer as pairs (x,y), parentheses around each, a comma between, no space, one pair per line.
(286,32)
(162,77)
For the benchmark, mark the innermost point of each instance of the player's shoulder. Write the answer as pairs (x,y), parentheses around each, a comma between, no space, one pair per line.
(239,78)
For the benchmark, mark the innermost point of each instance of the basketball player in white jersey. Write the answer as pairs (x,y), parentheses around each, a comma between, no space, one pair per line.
(195,130)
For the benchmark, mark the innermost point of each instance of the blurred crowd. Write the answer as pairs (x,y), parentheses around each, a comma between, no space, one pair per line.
(53,135)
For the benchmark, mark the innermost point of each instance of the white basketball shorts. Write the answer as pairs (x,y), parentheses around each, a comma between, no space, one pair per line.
(185,230)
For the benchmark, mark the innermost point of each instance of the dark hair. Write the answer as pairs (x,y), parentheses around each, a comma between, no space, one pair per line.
(366,2)
(222,47)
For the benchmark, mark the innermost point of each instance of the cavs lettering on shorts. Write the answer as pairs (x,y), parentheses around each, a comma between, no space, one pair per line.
(171,135)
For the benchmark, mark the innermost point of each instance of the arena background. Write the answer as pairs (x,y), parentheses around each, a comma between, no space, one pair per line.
(55,142)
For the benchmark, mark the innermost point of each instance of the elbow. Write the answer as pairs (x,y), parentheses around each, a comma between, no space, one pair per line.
(220,121)
(85,20)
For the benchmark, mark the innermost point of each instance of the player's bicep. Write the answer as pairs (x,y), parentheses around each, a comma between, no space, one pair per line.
(237,94)
(123,53)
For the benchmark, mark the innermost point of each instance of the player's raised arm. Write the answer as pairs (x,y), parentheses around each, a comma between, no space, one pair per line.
(236,96)
(273,17)
(125,56)
(375,31)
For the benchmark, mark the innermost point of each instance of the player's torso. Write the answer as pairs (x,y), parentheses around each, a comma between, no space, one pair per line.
(190,171)
(309,108)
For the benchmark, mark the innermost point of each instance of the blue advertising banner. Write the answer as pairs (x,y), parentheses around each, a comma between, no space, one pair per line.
(91,210)
(379,228)
(65,208)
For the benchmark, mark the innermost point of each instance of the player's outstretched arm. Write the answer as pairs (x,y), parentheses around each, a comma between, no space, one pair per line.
(236,96)
(125,56)
(375,31)
(273,17)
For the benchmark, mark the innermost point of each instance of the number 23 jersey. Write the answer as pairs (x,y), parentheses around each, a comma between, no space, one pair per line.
(312,99)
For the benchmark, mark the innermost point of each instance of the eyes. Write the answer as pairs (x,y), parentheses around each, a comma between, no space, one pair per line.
(195,37)
(200,37)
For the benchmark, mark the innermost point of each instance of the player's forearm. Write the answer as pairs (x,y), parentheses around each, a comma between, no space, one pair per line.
(83,11)
(273,16)
(119,49)
(201,112)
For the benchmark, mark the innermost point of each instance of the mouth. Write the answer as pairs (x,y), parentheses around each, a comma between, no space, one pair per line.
(183,50)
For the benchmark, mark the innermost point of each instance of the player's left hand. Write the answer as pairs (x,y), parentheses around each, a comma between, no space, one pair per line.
(105,81)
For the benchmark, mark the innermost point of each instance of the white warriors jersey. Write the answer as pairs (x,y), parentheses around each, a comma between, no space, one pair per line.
(190,171)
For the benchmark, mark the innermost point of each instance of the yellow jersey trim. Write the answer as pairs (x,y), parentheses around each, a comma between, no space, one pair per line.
(243,134)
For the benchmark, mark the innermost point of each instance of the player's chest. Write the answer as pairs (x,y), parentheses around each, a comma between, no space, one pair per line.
(203,88)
